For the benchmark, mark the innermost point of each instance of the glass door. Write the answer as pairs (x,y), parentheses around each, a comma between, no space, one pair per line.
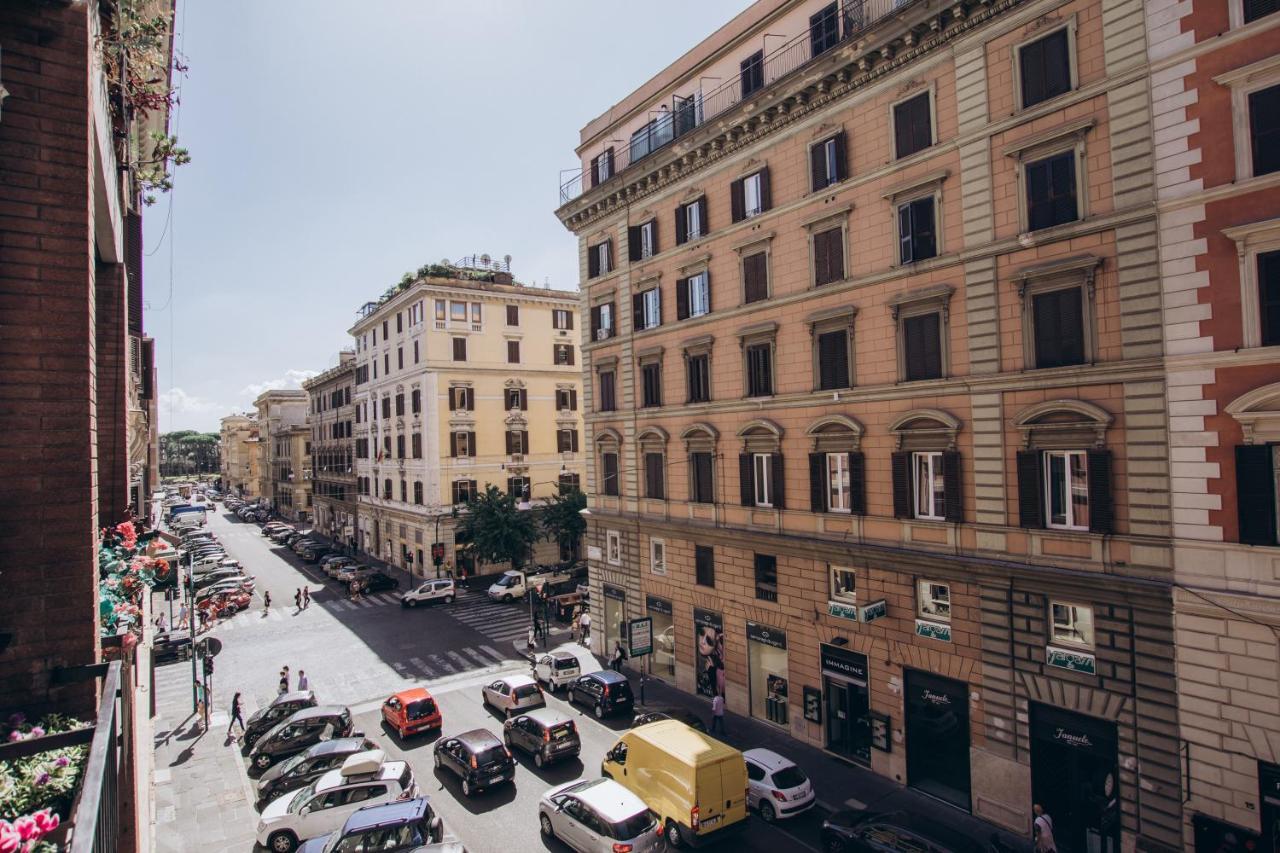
(838,728)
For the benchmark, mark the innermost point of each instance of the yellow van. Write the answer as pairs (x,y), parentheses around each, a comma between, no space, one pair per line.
(694,783)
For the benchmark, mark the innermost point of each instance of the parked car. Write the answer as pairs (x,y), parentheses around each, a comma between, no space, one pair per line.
(200,580)
(378,582)
(365,779)
(265,719)
(171,646)
(307,766)
(512,693)
(301,730)
(605,692)
(440,589)
(476,757)
(313,553)
(404,825)
(334,566)
(411,711)
(599,816)
(689,718)
(848,831)
(350,573)
(304,541)
(776,787)
(544,733)
(562,665)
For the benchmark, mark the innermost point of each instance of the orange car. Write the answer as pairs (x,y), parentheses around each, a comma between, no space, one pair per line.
(411,711)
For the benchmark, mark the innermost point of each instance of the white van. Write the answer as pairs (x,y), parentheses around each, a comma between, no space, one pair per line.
(440,589)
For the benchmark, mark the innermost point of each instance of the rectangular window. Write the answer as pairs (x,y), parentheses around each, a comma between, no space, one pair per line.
(561,319)
(609,473)
(602,167)
(922,346)
(415,401)
(613,547)
(1072,624)
(698,369)
(762,473)
(416,354)
(457,312)
(1058,319)
(917,238)
(417,493)
(400,405)
(699,294)
(654,485)
(751,194)
(648,239)
(700,471)
(826,162)
(517,441)
(399,357)
(464,491)
(704,565)
(607,403)
(570,483)
(513,352)
(462,444)
(513,315)
(657,556)
(691,220)
(828,256)
(766,577)
(751,73)
(929,490)
(912,126)
(760,370)
(1066,484)
(1264,130)
(599,259)
(399,322)
(566,440)
(833,360)
(755,277)
(651,379)
(824,30)
(651,301)
(844,586)
(1269,296)
(602,321)
(1051,191)
(477,315)
(838,483)
(386,407)
(399,446)
(934,600)
(440,310)
(566,400)
(417,446)
(563,354)
(459,349)
(1045,68)
(515,399)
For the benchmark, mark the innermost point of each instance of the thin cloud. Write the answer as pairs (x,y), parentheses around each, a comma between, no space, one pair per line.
(178,401)
(291,380)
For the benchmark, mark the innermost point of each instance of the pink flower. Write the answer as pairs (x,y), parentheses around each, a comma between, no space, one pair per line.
(10,840)
(26,827)
(37,731)
(15,736)
(46,821)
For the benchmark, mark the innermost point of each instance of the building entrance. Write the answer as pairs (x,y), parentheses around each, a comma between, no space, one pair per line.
(938,737)
(1073,776)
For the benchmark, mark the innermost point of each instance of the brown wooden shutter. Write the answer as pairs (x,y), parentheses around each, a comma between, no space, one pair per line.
(524,399)
(524,441)
(737,200)
(901,485)
(560,441)
(1255,494)
(817,167)
(857,483)
(573,399)
(595,321)
(452,401)
(633,243)
(573,440)
(471,399)
(818,482)
(654,237)
(595,171)
(953,498)
(593,262)
(471,444)
(453,444)
(1030,489)
(508,435)
(1101,502)
(682,225)
(682,299)
(842,158)
(637,312)
(835,254)
(746,480)
(777,474)
(703,221)
(766,196)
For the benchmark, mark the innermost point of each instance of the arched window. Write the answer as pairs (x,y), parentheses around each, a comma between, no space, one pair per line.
(653,453)
(926,467)
(761,473)
(837,472)
(1064,468)
(1258,464)
(700,444)
(608,456)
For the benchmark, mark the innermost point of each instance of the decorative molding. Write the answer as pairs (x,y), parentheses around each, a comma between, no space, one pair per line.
(1091,418)
(1258,413)
(937,293)
(755,427)
(947,426)
(929,182)
(1072,131)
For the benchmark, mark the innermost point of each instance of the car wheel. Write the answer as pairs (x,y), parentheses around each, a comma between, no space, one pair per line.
(833,845)
(674,838)
(767,814)
(538,760)
(448,599)
(408,602)
(599,712)
(263,761)
(466,788)
(506,599)
(547,829)
(282,842)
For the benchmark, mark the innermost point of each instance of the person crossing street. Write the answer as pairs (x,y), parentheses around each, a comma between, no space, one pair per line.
(235,716)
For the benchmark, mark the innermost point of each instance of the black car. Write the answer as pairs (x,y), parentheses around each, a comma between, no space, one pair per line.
(308,766)
(266,719)
(685,716)
(377,581)
(605,692)
(315,553)
(544,733)
(849,831)
(171,646)
(303,729)
(476,757)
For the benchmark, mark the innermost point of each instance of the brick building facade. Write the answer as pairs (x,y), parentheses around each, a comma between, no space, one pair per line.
(876,403)
(332,422)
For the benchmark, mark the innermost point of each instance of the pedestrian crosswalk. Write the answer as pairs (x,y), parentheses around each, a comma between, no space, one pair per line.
(502,622)
(452,662)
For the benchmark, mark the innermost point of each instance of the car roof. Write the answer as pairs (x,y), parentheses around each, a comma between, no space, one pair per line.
(401,811)
(610,800)
(477,738)
(768,759)
(682,742)
(319,711)
(517,680)
(608,676)
(548,717)
(561,654)
(334,778)
(412,695)
(341,744)
(295,696)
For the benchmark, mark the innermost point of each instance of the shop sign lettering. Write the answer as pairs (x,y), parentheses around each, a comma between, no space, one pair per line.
(935,698)
(1072,739)
(614,593)
(842,611)
(658,605)
(775,637)
(933,630)
(1071,660)
(874,610)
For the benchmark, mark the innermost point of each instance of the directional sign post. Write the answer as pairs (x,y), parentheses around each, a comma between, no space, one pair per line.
(640,636)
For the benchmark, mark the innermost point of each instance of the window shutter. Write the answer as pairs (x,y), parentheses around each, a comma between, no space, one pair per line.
(1030,489)
(637,312)
(511,486)
(653,237)
(453,444)
(595,321)
(524,441)
(452,401)
(817,167)
(902,129)
(1101,505)
(835,254)
(766,197)
(1039,214)
(1057,65)
(842,156)
(1031,78)
(926,244)
(560,441)
(595,171)
(833,360)
(777,475)
(952,486)
(746,479)
(904,233)
(633,243)
(508,434)
(1264,127)
(901,485)
(682,225)
(573,400)
(573,440)
(568,316)
(737,200)
(703,221)
(1063,187)
(755,273)
(593,261)
(454,488)
(818,482)
(471,444)
(524,400)
(857,483)
(1255,494)
(471,399)
(682,299)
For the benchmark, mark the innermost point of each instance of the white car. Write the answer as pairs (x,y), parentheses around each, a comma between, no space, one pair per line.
(776,787)
(440,589)
(322,807)
(598,815)
(513,693)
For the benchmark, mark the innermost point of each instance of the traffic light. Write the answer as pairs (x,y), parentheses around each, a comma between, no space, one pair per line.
(437,553)
(208,667)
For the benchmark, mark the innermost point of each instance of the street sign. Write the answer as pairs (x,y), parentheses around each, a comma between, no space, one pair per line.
(640,636)
(437,553)
(208,647)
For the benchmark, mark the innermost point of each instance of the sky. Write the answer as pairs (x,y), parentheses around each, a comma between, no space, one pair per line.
(332,152)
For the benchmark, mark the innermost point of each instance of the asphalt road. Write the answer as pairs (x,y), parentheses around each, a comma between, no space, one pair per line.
(358,654)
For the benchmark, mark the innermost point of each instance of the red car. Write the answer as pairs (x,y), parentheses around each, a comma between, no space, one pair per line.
(411,711)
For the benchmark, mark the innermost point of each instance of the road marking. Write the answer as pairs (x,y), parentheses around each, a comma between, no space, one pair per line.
(364,602)
(421,664)
(350,605)
(491,652)
(442,663)
(462,662)
(483,661)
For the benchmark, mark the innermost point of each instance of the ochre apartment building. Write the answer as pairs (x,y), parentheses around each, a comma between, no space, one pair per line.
(875,397)
(463,379)
(238,445)
(284,459)
(332,423)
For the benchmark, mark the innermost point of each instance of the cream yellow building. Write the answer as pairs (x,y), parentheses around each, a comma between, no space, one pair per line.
(239,457)
(464,378)
(291,472)
(280,414)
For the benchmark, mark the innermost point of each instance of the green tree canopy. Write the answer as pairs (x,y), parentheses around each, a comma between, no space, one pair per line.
(562,520)
(186,452)
(499,531)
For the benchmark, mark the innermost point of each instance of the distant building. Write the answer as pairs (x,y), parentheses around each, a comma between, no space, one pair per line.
(238,441)
(463,379)
(333,476)
(283,453)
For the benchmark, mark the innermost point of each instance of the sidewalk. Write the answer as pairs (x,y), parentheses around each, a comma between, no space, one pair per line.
(839,784)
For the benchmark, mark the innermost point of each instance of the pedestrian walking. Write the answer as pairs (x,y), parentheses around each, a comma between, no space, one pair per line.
(235,716)
(306,597)
(717,713)
(586,627)
(297,599)
(284,681)
(1043,830)
(161,624)
(618,657)
(202,617)
(304,683)
(182,615)
(266,602)
(530,641)
(199,702)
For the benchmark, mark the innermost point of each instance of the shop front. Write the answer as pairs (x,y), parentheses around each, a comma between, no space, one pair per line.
(664,637)
(767,673)
(1269,785)
(1074,777)
(937,724)
(615,617)
(708,651)
(848,701)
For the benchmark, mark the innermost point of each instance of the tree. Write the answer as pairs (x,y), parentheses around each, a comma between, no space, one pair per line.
(186,452)
(499,532)
(562,520)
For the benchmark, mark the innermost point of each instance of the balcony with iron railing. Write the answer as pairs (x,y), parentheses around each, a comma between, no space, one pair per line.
(848,20)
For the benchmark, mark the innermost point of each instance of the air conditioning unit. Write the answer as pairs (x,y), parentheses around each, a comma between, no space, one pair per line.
(563,333)
(602,334)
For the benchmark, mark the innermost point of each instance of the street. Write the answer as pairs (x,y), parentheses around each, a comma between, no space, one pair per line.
(358,653)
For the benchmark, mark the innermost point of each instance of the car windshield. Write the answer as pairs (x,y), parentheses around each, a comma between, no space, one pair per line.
(421,708)
(506,580)
(561,731)
(789,777)
(566,663)
(287,767)
(637,824)
(490,754)
(525,691)
(301,798)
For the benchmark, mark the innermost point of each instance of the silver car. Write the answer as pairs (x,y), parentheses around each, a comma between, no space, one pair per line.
(599,816)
